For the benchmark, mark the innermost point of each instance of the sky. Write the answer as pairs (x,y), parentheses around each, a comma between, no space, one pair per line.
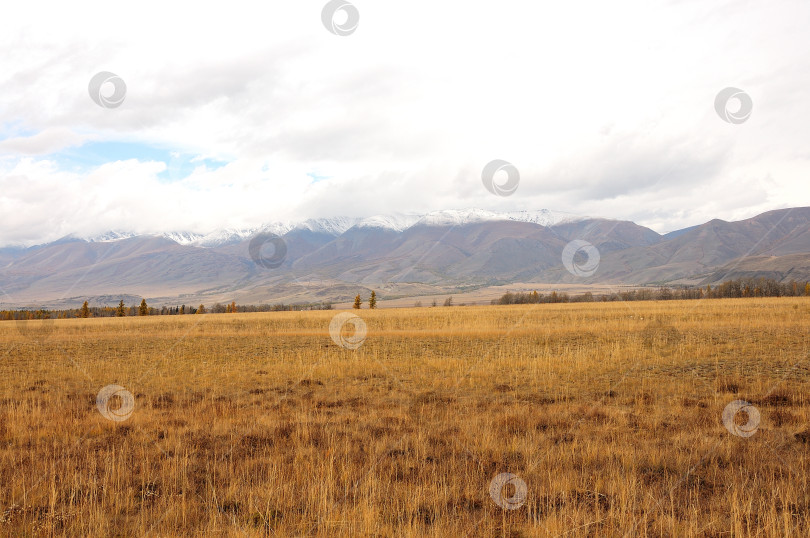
(245,113)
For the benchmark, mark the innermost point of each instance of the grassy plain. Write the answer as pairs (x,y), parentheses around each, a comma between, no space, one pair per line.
(260,425)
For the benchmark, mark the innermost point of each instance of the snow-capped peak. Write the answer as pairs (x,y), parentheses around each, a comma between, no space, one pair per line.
(543,217)
(108,237)
(331,225)
(336,226)
(457,217)
(223,237)
(397,222)
(182,238)
(278,228)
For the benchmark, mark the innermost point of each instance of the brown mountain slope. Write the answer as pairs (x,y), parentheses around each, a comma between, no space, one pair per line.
(709,246)
(320,265)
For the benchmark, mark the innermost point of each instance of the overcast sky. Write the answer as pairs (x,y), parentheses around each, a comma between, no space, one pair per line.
(241,113)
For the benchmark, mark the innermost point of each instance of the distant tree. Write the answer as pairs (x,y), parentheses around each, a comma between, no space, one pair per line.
(664,294)
(143,310)
(372,302)
(121,310)
(201,309)
(807,289)
(434,303)
(358,302)
(85,310)
(232,307)
(417,304)
(448,301)
(182,309)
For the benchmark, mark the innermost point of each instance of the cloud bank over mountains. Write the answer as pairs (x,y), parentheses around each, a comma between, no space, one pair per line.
(248,117)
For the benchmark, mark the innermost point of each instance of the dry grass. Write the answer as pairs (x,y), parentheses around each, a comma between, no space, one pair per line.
(258,424)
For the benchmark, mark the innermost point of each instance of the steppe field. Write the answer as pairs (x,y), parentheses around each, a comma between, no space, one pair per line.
(590,419)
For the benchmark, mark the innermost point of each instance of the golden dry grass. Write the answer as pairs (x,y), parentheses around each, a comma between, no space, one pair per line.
(259,424)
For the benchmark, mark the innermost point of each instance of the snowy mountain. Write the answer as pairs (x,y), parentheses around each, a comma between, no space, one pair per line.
(182,238)
(223,237)
(543,217)
(397,222)
(412,253)
(332,226)
(108,237)
(459,217)
(336,226)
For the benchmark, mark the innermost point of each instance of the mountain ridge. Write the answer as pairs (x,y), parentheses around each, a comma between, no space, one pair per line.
(440,252)
(339,225)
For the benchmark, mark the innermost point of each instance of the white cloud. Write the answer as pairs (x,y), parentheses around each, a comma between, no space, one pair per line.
(44,142)
(605,108)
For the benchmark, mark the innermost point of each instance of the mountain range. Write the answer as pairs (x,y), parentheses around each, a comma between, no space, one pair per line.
(332,259)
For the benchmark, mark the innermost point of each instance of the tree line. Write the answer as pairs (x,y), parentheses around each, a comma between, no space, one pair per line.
(746,287)
(143,309)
